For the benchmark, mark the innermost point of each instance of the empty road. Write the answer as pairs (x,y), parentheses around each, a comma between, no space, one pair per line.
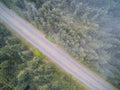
(63,60)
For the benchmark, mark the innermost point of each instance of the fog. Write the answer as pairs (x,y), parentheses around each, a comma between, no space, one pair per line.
(88,29)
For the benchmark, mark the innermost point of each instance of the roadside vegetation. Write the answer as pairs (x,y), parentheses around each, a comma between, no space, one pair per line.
(22,68)
(88,29)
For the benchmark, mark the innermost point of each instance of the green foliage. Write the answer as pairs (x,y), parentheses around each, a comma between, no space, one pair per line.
(23,80)
(87,29)
(50,38)
(21,69)
(39,54)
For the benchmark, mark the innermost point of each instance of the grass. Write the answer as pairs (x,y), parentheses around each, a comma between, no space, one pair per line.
(36,52)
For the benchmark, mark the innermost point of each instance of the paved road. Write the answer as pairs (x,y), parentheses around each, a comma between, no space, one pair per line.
(36,38)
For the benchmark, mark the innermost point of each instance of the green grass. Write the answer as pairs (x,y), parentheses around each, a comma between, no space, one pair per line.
(36,52)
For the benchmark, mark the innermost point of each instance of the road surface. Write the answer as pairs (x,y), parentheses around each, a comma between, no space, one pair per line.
(36,38)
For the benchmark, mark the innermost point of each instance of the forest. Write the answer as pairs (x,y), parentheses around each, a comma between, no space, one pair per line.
(89,30)
(24,68)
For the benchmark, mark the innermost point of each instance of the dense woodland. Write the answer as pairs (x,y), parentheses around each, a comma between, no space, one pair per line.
(22,68)
(88,29)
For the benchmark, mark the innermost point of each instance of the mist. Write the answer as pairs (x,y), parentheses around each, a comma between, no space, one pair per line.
(88,29)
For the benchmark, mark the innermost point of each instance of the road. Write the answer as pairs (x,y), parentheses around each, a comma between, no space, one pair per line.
(62,59)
